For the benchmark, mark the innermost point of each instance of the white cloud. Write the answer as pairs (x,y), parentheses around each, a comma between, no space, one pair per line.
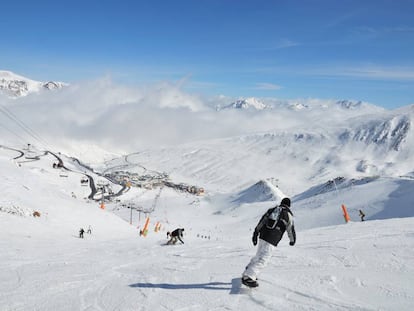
(364,71)
(267,86)
(128,119)
(377,72)
(122,119)
(285,43)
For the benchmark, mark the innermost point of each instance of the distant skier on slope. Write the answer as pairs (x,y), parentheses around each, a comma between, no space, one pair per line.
(81,232)
(177,234)
(270,230)
(362,215)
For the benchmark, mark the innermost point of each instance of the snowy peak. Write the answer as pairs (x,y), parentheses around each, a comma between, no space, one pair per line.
(51,85)
(343,104)
(255,104)
(14,85)
(262,191)
(248,103)
(348,104)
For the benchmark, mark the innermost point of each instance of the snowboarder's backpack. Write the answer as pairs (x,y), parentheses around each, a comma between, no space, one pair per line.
(273,218)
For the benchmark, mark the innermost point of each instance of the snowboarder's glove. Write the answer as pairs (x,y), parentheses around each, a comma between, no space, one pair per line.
(254,239)
(291,243)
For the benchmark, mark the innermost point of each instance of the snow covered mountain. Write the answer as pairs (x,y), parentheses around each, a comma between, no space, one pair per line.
(255,104)
(321,140)
(298,157)
(164,155)
(391,132)
(14,85)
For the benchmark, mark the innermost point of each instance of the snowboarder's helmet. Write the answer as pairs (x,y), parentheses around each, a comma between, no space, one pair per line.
(285,202)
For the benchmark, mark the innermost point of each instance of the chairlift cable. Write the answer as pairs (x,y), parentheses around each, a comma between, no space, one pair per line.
(22,125)
(157,196)
(12,132)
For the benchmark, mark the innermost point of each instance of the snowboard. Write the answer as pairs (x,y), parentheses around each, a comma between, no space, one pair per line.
(250,284)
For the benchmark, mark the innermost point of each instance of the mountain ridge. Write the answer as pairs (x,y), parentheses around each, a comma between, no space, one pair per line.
(14,85)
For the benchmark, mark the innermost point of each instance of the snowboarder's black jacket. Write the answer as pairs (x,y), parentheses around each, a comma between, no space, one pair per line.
(178,233)
(273,225)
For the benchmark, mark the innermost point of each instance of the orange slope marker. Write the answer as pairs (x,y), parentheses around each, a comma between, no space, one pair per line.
(346,215)
(145,230)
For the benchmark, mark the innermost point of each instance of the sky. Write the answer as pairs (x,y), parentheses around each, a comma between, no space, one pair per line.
(351,49)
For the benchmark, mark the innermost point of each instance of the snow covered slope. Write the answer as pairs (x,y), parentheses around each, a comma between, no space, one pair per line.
(45,266)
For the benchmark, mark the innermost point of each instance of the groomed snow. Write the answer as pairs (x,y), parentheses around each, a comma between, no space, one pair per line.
(334,266)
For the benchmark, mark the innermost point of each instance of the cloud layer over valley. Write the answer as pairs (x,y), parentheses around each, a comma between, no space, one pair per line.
(129,118)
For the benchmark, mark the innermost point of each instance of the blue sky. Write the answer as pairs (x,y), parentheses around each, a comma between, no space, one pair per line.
(341,49)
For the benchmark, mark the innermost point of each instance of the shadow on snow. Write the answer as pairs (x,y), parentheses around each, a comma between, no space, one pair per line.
(211,285)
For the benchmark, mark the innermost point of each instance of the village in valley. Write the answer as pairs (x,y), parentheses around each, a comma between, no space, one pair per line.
(151,181)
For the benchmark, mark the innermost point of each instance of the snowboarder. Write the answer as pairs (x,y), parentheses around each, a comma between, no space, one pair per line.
(177,234)
(81,231)
(269,230)
(362,215)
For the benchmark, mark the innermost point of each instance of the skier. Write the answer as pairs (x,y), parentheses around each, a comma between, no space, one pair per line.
(177,234)
(89,230)
(81,231)
(362,215)
(270,230)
